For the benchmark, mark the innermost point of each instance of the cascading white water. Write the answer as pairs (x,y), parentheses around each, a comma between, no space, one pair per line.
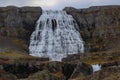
(56,36)
(96,67)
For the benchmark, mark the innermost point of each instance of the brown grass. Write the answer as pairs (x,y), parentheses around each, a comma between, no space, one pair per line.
(11,57)
(102,57)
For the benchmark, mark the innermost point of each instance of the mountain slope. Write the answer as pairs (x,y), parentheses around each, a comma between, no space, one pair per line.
(16,26)
(99,26)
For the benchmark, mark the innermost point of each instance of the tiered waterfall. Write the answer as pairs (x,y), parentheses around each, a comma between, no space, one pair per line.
(56,35)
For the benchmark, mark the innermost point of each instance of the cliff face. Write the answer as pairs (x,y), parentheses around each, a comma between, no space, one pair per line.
(16,26)
(99,26)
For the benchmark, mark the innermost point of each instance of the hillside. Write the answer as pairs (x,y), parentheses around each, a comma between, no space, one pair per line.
(99,27)
(16,26)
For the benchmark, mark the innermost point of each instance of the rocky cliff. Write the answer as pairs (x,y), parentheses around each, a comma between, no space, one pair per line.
(16,26)
(99,26)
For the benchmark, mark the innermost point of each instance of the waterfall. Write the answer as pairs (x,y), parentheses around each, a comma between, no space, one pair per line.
(56,35)
(96,67)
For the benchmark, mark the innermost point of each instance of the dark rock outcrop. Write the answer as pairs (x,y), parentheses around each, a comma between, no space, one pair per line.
(56,70)
(72,58)
(46,75)
(7,76)
(16,26)
(99,26)
(111,73)
(111,64)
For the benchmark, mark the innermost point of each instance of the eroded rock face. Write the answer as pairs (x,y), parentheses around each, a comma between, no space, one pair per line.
(54,70)
(17,24)
(99,26)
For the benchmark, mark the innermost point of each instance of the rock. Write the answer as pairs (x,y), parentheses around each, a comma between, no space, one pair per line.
(110,64)
(81,69)
(99,26)
(45,75)
(17,24)
(111,73)
(24,69)
(55,70)
(7,76)
(72,58)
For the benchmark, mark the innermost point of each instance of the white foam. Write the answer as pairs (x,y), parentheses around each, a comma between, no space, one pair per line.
(96,67)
